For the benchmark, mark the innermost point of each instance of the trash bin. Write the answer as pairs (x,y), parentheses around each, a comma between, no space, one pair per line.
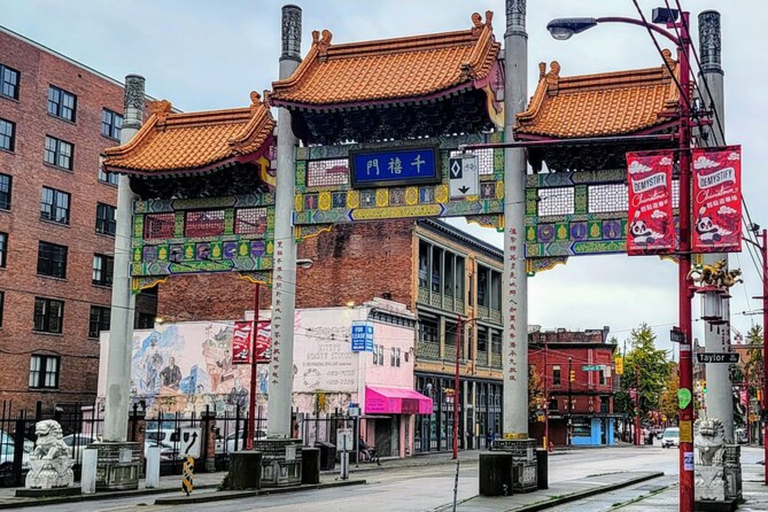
(327,455)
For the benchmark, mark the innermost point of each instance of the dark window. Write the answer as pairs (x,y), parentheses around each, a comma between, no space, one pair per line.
(204,223)
(44,372)
(99,321)
(106,176)
(250,221)
(111,124)
(102,269)
(555,375)
(144,321)
(3,248)
(423,264)
(7,135)
(9,82)
(106,222)
(52,260)
(49,315)
(2,307)
(61,103)
(482,340)
(6,182)
(553,404)
(58,152)
(54,205)
(159,225)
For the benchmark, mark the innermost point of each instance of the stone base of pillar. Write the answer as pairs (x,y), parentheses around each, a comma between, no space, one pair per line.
(280,462)
(523,462)
(732,468)
(118,466)
(716,506)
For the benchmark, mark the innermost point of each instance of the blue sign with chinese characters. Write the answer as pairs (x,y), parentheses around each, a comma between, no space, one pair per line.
(394,167)
(362,336)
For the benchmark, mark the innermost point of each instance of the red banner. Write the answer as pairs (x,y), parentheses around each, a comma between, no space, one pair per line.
(716,205)
(241,342)
(651,227)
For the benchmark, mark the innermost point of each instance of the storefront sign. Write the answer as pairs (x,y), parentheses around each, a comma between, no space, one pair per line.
(716,199)
(362,337)
(651,228)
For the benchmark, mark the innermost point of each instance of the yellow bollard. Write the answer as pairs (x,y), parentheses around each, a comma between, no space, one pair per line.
(187,484)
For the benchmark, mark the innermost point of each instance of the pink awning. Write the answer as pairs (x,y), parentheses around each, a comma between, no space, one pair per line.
(384,400)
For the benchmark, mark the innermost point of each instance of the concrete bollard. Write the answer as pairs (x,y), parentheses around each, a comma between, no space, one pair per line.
(542,468)
(88,472)
(152,474)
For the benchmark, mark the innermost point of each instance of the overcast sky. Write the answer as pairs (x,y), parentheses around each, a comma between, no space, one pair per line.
(207,54)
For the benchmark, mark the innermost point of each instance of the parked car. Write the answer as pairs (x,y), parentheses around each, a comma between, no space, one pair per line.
(166,436)
(671,437)
(741,435)
(77,443)
(6,459)
(230,444)
(167,452)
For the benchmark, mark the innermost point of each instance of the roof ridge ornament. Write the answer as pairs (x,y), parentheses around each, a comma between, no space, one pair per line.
(669,60)
(322,41)
(161,109)
(553,77)
(478,25)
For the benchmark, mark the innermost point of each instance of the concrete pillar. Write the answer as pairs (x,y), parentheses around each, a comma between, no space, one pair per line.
(716,337)
(515,293)
(123,300)
(88,474)
(284,273)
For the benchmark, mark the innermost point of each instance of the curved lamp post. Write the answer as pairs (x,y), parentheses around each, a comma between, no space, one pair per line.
(562,29)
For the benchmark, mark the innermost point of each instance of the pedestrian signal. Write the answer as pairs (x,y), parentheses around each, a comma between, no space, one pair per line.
(573,376)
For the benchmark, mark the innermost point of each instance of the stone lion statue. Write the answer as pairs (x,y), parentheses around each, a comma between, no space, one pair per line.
(709,441)
(51,461)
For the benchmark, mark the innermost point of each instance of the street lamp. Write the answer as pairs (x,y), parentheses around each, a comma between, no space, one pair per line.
(564,28)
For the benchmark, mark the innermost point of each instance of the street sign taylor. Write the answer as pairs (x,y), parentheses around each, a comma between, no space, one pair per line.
(464,176)
(715,357)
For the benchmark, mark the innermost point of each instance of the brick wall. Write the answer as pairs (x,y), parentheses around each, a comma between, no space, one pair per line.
(19,280)
(350,263)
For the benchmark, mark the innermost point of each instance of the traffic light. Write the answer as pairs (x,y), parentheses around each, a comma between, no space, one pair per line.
(704,386)
(619,366)
(573,376)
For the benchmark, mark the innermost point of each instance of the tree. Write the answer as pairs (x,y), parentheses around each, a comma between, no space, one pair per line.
(668,403)
(537,400)
(753,367)
(648,366)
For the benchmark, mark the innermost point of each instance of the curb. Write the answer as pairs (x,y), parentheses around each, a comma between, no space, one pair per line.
(534,507)
(234,495)
(385,467)
(41,502)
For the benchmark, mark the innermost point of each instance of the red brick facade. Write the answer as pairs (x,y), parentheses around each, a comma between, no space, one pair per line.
(352,263)
(38,68)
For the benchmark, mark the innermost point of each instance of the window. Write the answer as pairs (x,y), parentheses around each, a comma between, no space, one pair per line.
(3,248)
(423,264)
(395,358)
(144,321)
(49,315)
(106,176)
(9,82)
(106,222)
(54,205)
(378,355)
(2,306)
(111,124)
(102,269)
(44,372)
(52,260)
(5,191)
(58,153)
(250,221)
(159,225)
(555,375)
(7,135)
(99,321)
(61,103)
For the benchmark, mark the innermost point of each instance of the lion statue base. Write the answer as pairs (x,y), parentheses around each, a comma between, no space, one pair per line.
(709,446)
(51,461)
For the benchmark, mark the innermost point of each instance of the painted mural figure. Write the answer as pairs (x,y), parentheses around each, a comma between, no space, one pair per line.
(171,375)
(238,396)
(153,361)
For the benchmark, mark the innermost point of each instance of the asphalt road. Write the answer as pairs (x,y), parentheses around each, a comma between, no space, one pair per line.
(420,489)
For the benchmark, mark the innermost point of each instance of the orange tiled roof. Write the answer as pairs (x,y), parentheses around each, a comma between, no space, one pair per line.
(604,104)
(193,141)
(402,68)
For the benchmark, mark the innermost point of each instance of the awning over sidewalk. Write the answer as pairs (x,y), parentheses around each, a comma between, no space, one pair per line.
(385,400)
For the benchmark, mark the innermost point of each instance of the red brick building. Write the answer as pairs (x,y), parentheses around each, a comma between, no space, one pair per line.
(56,223)
(588,358)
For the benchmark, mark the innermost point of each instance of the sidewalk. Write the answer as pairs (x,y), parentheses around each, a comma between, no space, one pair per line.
(558,494)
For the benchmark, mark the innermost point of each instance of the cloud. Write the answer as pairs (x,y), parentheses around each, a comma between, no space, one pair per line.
(657,214)
(734,156)
(637,167)
(725,210)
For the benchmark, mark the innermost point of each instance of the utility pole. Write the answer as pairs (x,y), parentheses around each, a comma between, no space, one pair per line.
(637,404)
(456,390)
(764,404)
(254,376)
(546,395)
(570,400)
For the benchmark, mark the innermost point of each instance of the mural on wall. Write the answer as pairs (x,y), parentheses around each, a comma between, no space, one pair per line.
(187,367)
